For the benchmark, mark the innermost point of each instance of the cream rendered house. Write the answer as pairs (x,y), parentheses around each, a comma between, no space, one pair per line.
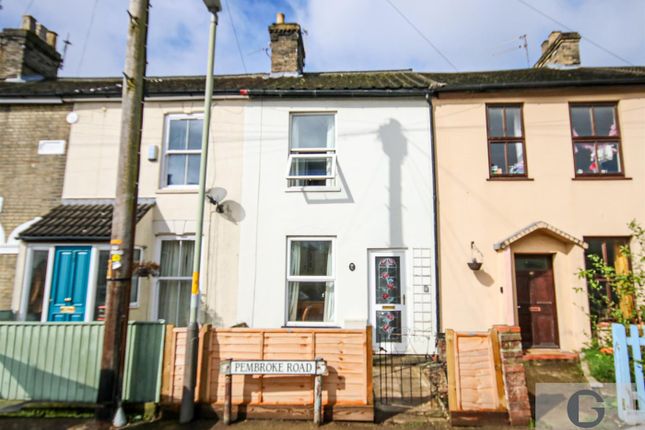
(536,168)
(64,255)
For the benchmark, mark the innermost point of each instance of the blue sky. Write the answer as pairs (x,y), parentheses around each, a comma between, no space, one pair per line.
(340,34)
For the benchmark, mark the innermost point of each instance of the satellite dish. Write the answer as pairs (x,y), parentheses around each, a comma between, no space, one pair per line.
(216,195)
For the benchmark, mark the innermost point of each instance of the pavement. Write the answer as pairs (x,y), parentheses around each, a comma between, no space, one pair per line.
(84,424)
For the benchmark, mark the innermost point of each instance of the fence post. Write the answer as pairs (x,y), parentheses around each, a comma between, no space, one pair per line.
(317,399)
(225,368)
(623,377)
(321,369)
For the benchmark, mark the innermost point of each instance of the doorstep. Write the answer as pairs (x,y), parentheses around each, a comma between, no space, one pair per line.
(532,354)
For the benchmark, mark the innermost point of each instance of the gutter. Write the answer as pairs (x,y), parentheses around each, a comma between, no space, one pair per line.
(539,85)
(335,93)
(30,101)
(64,238)
(435,206)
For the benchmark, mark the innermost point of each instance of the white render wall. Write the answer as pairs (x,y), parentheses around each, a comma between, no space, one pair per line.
(385,202)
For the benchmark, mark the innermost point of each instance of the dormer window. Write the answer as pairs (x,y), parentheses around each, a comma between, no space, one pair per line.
(312,151)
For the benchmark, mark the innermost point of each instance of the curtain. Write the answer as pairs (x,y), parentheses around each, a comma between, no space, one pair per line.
(329,291)
(294,287)
(174,295)
(330,132)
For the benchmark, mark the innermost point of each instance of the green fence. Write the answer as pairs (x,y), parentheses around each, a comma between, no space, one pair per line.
(60,362)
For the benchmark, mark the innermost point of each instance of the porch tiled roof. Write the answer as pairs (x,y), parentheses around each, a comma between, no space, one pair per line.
(77,222)
(539,225)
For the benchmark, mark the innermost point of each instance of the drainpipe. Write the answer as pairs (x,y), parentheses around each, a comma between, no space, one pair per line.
(433,160)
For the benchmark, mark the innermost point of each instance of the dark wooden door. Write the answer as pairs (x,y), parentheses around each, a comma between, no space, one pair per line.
(536,308)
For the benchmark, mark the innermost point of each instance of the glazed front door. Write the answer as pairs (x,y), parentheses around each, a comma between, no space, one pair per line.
(387,285)
(69,283)
(536,308)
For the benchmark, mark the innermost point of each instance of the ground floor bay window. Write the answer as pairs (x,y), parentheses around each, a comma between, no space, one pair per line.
(310,281)
(174,282)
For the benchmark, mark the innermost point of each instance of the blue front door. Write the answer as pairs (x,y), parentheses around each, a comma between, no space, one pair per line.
(69,283)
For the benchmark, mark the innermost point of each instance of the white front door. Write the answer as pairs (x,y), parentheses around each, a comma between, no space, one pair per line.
(387,291)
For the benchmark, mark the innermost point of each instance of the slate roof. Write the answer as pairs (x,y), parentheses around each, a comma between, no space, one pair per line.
(394,82)
(77,222)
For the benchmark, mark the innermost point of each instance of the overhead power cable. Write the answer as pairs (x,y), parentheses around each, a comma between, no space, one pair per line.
(597,45)
(423,36)
(87,36)
(237,40)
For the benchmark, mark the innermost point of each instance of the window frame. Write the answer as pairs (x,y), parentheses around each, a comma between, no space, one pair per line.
(154,308)
(506,141)
(27,277)
(291,278)
(596,139)
(300,153)
(627,241)
(166,151)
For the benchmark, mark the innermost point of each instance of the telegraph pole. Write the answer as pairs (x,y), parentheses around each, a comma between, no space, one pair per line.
(119,271)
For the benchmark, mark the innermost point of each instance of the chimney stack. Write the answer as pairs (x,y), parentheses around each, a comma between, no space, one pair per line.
(28,52)
(560,50)
(287,49)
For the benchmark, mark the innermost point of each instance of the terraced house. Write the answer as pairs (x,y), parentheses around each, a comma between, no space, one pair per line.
(328,215)
(352,198)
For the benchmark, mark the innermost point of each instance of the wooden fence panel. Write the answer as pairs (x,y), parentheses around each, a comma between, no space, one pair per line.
(347,352)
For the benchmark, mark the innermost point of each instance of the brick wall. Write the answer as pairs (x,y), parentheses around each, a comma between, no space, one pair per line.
(31,184)
(287,50)
(517,395)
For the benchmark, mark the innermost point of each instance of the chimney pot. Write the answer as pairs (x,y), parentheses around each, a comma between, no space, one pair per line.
(51,38)
(279,18)
(28,23)
(41,31)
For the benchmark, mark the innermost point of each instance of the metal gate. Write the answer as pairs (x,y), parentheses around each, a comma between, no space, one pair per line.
(400,379)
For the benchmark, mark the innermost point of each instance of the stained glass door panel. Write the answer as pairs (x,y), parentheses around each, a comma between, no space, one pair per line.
(388,299)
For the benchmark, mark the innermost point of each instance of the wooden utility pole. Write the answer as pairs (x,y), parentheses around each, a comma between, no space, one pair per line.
(119,272)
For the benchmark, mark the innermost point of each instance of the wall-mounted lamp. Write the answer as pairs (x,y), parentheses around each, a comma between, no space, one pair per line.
(474,264)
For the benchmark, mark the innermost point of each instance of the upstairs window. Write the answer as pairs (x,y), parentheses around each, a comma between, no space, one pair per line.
(506,147)
(312,151)
(596,140)
(182,150)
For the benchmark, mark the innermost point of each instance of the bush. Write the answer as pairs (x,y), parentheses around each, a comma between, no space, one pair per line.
(601,363)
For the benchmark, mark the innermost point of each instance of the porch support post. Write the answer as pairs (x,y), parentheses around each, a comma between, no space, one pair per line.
(509,287)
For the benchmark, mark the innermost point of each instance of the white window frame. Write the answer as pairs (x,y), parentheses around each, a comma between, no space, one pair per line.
(154,308)
(291,278)
(312,153)
(26,281)
(133,305)
(167,151)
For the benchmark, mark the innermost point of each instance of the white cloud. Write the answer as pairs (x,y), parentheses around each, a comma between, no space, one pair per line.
(341,34)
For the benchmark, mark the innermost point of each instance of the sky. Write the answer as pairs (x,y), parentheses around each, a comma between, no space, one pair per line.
(424,35)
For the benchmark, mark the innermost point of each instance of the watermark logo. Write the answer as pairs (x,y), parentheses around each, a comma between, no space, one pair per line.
(573,409)
(575,406)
